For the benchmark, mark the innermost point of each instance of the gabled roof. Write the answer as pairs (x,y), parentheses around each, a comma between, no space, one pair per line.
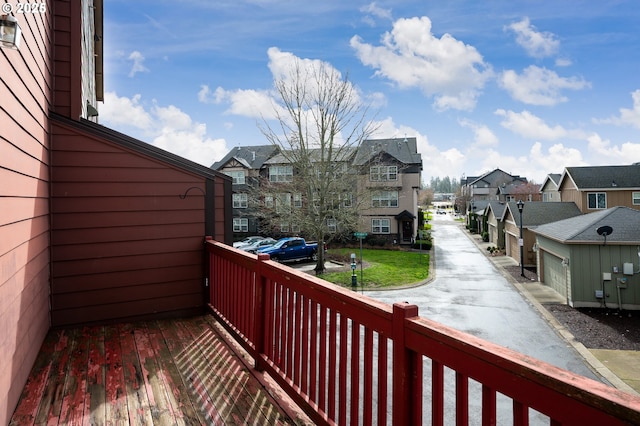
(537,213)
(404,150)
(496,177)
(284,157)
(603,177)
(251,157)
(478,206)
(497,207)
(552,180)
(582,229)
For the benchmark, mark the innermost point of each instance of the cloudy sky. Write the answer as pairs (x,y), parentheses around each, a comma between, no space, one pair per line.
(529,87)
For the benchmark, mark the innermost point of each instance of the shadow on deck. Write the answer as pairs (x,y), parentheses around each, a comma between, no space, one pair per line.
(165,372)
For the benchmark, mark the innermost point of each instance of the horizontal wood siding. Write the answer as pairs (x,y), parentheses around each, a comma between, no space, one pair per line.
(124,244)
(25,99)
(67,90)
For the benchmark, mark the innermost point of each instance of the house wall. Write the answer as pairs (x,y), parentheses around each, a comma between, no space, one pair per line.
(124,245)
(614,198)
(588,262)
(25,96)
(512,235)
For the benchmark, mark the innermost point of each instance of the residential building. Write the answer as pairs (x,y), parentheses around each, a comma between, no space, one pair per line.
(385,171)
(600,187)
(549,188)
(245,165)
(487,187)
(534,214)
(390,174)
(593,259)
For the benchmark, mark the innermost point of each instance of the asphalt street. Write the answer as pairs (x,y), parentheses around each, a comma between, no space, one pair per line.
(471,295)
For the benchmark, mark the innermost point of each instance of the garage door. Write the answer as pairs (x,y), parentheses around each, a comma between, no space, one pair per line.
(554,273)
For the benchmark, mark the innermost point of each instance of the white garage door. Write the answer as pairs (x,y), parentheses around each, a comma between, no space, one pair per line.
(554,273)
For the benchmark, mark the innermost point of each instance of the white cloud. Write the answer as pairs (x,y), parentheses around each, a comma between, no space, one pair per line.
(167,127)
(537,44)
(606,153)
(630,117)
(373,11)
(483,136)
(539,86)
(530,126)
(411,56)
(138,63)
(563,62)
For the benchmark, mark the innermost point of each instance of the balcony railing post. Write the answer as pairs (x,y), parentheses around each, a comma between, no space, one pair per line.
(407,386)
(260,322)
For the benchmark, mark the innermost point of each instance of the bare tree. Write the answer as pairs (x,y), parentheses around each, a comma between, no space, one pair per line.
(321,121)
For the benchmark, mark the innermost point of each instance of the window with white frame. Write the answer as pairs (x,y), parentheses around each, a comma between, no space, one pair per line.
(332,226)
(383,173)
(280,173)
(268,200)
(237,175)
(635,198)
(384,199)
(240,224)
(597,200)
(284,226)
(297,200)
(295,228)
(381,226)
(240,201)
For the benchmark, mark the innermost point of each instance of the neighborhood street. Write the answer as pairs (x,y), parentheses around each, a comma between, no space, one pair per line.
(471,295)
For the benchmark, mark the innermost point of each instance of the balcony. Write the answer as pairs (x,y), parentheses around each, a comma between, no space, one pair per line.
(341,357)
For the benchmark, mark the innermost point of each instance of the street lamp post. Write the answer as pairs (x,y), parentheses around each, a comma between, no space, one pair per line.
(520,205)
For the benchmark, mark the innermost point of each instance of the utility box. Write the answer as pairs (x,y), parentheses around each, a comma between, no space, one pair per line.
(599,294)
(627,268)
(606,276)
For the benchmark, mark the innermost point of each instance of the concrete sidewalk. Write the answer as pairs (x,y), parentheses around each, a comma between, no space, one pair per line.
(620,368)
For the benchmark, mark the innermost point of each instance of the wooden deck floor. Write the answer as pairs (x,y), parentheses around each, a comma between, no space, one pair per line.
(167,372)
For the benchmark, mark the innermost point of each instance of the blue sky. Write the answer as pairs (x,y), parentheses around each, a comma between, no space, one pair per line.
(530,87)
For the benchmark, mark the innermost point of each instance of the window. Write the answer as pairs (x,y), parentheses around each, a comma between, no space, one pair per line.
(268,200)
(383,173)
(240,224)
(347,199)
(635,197)
(283,202)
(238,177)
(332,226)
(597,200)
(385,199)
(297,200)
(284,226)
(240,201)
(380,226)
(281,173)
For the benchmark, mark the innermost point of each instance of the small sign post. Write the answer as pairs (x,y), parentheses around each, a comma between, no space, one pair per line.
(360,236)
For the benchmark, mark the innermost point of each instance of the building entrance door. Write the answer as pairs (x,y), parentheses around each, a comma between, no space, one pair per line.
(407,231)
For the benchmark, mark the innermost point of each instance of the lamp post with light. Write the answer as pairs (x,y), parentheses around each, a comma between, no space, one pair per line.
(520,205)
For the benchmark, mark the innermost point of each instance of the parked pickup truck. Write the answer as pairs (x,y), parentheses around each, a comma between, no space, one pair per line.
(291,249)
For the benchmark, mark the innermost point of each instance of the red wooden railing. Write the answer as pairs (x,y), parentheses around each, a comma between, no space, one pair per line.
(348,359)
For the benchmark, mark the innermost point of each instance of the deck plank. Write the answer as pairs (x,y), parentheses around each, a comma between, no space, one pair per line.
(75,386)
(94,403)
(137,399)
(31,396)
(116,411)
(165,372)
(185,412)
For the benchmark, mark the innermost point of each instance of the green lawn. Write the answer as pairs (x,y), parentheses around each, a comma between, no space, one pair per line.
(386,268)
